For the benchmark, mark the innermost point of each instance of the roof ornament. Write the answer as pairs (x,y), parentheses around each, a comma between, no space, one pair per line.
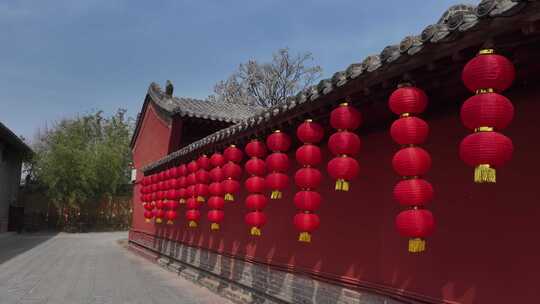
(169,88)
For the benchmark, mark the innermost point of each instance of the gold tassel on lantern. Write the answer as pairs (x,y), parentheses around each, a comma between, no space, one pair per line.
(159,221)
(255,231)
(182,201)
(417,245)
(276,194)
(214,226)
(192,224)
(169,222)
(342,185)
(229,197)
(305,237)
(200,199)
(147,220)
(485,174)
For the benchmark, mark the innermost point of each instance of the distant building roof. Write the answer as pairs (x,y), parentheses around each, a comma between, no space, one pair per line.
(170,105)
(204,109)
(7,136)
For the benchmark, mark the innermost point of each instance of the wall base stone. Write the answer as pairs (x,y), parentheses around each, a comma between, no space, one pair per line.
(245,282)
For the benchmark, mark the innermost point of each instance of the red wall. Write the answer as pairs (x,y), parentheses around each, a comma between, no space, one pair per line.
(485,248)
(152,143)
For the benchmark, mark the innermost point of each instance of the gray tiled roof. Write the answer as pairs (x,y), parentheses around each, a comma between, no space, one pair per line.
(204,109)
(13,140)
(458,18)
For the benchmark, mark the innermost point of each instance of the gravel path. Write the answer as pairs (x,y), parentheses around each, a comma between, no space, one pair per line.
(90,268)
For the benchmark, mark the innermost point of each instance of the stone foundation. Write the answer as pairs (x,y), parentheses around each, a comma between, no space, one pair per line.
(243,281)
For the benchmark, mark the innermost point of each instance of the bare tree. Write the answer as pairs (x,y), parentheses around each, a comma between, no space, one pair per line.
(268,84)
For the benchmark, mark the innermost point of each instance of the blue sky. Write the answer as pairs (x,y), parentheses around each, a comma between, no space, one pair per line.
(62,57)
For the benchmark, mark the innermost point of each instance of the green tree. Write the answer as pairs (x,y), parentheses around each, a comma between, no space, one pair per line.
(83,161)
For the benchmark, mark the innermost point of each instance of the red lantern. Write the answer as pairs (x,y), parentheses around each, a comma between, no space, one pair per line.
(160,215)
(190,191)
(255,184)
(488,71)
(407,101)
(148,215)
(148,206)
(182,170)
(487,75)
(278,141)
(191,203)
(277,182)
(486,151)
(277,163)
(345,117)
(230,186)
(309,132)
(173,205)
(193,215)
(413,192)
(215,217)
(192,166)
(256,201)
(173,183)
(307,200)
(232,171)
(191,179)
(171,216)
(233,154)
(309,155)
(196,189)
(216,202)
(256,166)
(256,220)
(409,131)
(216,174)
(307,223)
(415,224)
(174,172)
(256,149)
(217,160)
(202,176)
(215,189)
(182,195)
(201,192)
(343,169)
(181,183)
(203,162)
(411,162)
(160,204)
(343,144)
(487,110)
(309,178)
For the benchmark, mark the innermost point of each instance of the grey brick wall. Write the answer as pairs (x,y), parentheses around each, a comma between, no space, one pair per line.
(245,282)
